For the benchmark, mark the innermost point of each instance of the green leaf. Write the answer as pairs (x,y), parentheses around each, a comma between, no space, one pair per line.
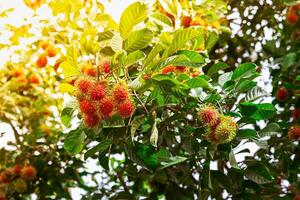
(67,116)
(244,85)
(193,56)
(298,78)
(134,57)
(243,71)
(135,124)
(74,141)
(198,82)
(255,93)
(138,40)
(104,159)
(154,135)
(270,130)
(247,133)
(167,80)
(289,60)
(72,56)
(68,69)
(211,39)
(153,53)
(106,35)
(101,147)
(257,111)
(259,173)
(181,37)
(206,176)
(66,88)
(232,160)
(216,68)
(133,15)
(161,19)
(116,42)
(173,161)
(223,78)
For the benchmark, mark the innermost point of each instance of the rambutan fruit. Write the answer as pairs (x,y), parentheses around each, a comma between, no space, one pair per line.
(16,169)
(57,63)
(294,132)
(20,185)
(106,107)
(209,115)
(292,17)
(282,94)
(42,61)
(168,69)
(295,114)
(226,130)
(5,177)
(97,92)
(120,92)
(51,51)
(126,109)
(88,69)
(22,80)
(28,172)
(181,68)
(297,197)
(44,45)
(186,21)
(86,107)
(17,73)
(83,85)
(91,120)
(105,66)
(34,79)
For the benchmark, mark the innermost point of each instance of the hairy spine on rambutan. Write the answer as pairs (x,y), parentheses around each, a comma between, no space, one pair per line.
(294,132)
(126,109)
(226,130)
(91,120)
(209,115)
(28,172)
(106,107)
(168,69)
(120,92)
(16,169)
(105,66)
(295,114)
(86,107)
(34,79)
(97,92)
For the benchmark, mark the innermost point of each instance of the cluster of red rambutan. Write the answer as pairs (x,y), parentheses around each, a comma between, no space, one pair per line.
(219,128)
(98,100)
(180,69)
(49,51)
(22,78)
(292,15)
(15,178)
(294,132)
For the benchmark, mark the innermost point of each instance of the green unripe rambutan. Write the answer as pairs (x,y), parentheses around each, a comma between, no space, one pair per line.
(225,130)
(20,186)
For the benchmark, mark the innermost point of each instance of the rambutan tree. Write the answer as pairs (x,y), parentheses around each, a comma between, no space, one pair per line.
(160,122)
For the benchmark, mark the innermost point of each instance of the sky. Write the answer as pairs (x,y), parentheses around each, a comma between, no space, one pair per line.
(113,7)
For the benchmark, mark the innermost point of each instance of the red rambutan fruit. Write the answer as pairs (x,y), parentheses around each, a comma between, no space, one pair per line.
(106,106)
(292,17)
(181,68)
(97,92)
(51,51)
(282,94)
(28,172)
(91,120)
(120,92)
(17,73)
(209,115)
(4,177)
(87,107)
(186,21)
(42,61)
(34,79)
(105,66)
(168,69)
(16,169)
(126,109)
(83,85)
(295,114)
(294,132)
